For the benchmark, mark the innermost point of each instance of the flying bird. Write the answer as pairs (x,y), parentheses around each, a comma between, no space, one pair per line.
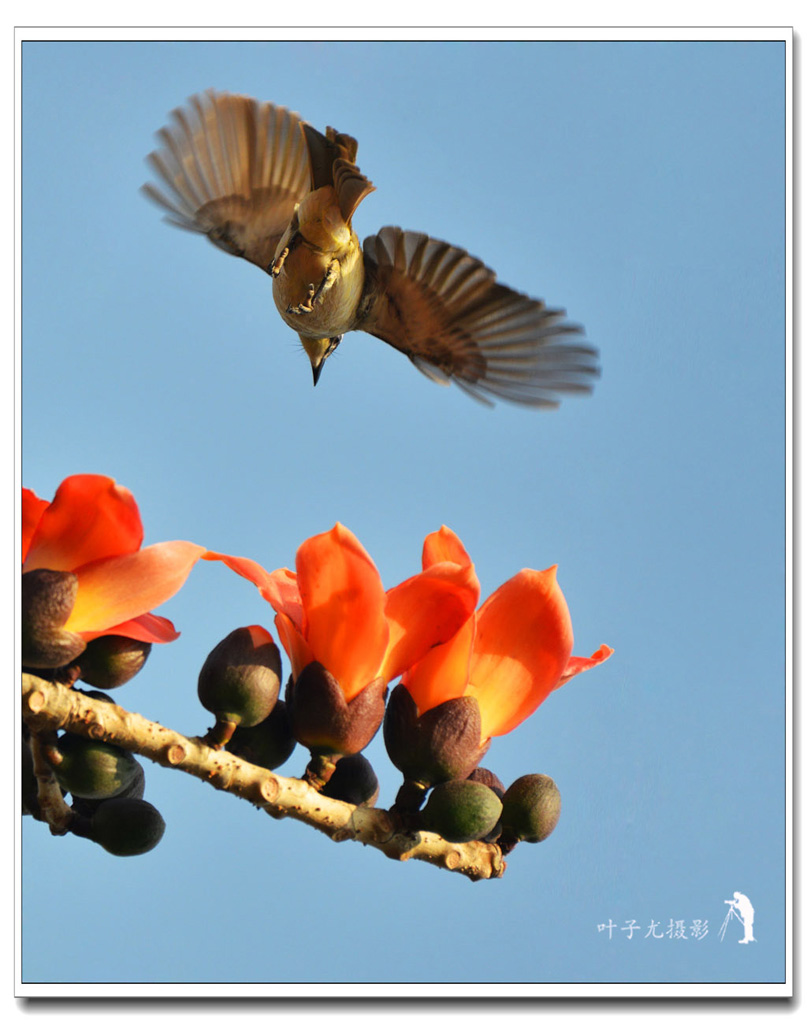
(265,185)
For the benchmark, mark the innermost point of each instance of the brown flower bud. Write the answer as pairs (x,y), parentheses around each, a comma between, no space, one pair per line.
(487,777)
(443,743)
(326,723)
(47,599)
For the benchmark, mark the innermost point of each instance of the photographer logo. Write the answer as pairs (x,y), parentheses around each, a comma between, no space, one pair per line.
(742,910)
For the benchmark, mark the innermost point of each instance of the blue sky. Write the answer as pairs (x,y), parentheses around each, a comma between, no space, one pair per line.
(641,186)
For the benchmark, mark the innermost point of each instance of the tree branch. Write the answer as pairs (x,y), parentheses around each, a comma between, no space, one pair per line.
(48,705)
(52,807)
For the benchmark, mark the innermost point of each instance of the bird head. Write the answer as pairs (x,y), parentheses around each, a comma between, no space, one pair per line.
(318,350)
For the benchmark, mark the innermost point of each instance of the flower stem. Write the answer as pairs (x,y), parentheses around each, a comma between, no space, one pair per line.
(319,770)
(220,734)
(410,797)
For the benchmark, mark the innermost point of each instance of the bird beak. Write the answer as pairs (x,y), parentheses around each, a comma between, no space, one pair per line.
(318,350)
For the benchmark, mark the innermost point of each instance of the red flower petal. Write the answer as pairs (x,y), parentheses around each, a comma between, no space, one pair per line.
(294,644)
(444,546)
(343,598)
(426,610)
(577,665)
(523,644)
(152,629)
(32,510)
(90,517)
(114,590)
(283,595)
(246,567)
(279,588)
(443,673)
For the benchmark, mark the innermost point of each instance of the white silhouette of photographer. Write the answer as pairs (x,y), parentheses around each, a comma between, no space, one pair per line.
(745,911)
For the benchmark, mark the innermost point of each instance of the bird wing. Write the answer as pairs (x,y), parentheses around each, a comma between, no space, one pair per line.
(233,169)
(445,310)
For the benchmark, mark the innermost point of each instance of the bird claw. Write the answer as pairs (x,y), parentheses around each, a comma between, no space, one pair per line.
(308,305)
(276,265)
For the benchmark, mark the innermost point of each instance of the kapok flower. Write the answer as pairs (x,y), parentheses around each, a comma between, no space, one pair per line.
(334,610)
(493,673)
(347,637)
(509,656)
(92,529)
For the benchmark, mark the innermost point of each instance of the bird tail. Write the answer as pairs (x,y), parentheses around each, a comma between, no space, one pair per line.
(332,157)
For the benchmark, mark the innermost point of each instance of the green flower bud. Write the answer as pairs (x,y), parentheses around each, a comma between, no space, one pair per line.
(267,744)
(136,787)
(487,777)
(461,811)
(531,809)
(93,769)
(111,661)
(126,826)
(240,681)
(353,781)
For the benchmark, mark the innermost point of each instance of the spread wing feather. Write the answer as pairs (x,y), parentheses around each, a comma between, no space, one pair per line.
(233,169)
(446,311)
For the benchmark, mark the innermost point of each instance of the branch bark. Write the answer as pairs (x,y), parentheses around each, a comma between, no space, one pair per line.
(49,706)
(52,807)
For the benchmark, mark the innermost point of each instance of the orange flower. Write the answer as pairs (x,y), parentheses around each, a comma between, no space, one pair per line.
(509,656)
(333,609)
(92,528)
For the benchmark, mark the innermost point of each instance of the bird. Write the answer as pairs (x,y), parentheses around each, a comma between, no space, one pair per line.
(265,185)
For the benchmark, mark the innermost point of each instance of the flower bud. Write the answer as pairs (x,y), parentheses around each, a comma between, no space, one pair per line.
(531,809)
(487,777)
(444,743)
(136,787)
(461,811)
(353,781)
(326,723)
(267,744)
(111,661)
(126,826)
(92,769)
(239,681)
(47,598)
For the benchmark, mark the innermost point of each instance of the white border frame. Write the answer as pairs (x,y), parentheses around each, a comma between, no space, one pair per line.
(445,991)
